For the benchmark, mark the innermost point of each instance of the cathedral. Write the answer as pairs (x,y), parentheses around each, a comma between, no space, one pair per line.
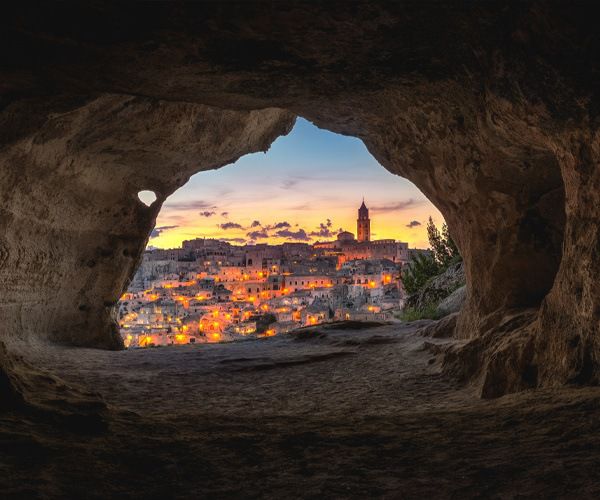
(346,247)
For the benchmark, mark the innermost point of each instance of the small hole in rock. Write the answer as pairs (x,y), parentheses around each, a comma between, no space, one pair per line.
(147,197)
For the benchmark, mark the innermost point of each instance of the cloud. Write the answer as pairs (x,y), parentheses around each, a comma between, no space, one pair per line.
(190,205)
(413,223)
(230,225)
(167,219)
(256,235)
(206,213)
(324,230)
(289,183)
(299,235)
(233,240)
(224,214)
(157,231)
(255,223)
(394,207)
(304,206)
(277,225)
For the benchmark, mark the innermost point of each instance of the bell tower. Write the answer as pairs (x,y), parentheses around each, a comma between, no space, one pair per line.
(363,223)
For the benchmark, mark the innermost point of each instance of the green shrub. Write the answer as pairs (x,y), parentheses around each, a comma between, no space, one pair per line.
(445,251)
(413,314)
(422,268)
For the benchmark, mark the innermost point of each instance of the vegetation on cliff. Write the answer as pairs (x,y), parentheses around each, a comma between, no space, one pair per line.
(431,277)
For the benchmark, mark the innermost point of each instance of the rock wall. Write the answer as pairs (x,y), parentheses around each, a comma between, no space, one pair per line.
(71,224)
(491,110)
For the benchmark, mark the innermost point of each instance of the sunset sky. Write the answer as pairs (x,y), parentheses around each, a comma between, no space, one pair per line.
(307,187)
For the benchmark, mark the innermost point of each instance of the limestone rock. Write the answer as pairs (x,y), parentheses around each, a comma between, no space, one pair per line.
(442,328)
(490,109)
(439,288)
(72,228)
(453,302)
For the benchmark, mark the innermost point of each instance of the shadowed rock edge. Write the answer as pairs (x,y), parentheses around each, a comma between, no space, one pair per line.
(490,110)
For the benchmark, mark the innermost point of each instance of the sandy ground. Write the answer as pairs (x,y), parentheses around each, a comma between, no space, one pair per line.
(324,414)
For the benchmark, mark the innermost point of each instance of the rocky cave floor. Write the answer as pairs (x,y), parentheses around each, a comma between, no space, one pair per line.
(322,414)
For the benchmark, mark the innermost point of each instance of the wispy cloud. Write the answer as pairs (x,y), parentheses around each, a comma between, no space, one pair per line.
(230,225)
(233,240)
(324,230)
(302,207)
(181,220)
(277,225)
(289,183)
(394,207)
(207,213)
(299,235)
(257,235)
(190,205)
(413,223)
(156,232)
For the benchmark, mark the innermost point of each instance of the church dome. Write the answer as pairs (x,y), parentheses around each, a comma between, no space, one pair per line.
(345,236)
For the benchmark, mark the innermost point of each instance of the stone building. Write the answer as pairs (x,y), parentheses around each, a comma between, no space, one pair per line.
(363,223)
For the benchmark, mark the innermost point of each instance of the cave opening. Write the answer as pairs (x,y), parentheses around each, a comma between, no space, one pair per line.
(490,109)
(276,242)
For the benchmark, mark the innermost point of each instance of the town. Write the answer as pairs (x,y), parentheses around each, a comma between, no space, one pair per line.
(212,291)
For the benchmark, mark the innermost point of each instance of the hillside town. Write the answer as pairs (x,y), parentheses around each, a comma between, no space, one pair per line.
(212,291)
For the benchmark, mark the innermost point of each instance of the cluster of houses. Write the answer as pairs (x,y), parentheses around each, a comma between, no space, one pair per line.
(211,291)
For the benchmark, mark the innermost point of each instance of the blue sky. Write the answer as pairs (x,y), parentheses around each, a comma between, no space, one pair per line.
(307,178)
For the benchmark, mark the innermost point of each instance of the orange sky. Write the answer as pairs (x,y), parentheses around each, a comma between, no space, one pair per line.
(305,188)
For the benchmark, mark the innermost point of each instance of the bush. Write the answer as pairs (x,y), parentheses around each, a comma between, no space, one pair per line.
(263,322)
(424,267)
(444,253)
(418,272)
(413,314)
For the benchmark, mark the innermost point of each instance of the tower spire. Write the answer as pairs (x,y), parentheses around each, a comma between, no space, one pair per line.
(363,223)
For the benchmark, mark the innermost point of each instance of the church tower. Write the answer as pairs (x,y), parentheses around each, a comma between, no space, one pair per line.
(363,223)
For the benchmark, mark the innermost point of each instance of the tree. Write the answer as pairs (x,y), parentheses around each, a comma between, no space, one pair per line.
(422,267)
(442,245)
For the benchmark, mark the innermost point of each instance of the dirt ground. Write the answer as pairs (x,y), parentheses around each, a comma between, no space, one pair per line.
(324,414)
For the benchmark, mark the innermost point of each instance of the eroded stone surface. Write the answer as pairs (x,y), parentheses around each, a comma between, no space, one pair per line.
(328,414)
(72,222)
(491,110)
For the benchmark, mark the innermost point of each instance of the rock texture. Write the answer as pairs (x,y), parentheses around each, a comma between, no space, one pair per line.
(490,109)
(337,414)
(453,302)
(72,225)
(439,288)
(442,328)
(72,222)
